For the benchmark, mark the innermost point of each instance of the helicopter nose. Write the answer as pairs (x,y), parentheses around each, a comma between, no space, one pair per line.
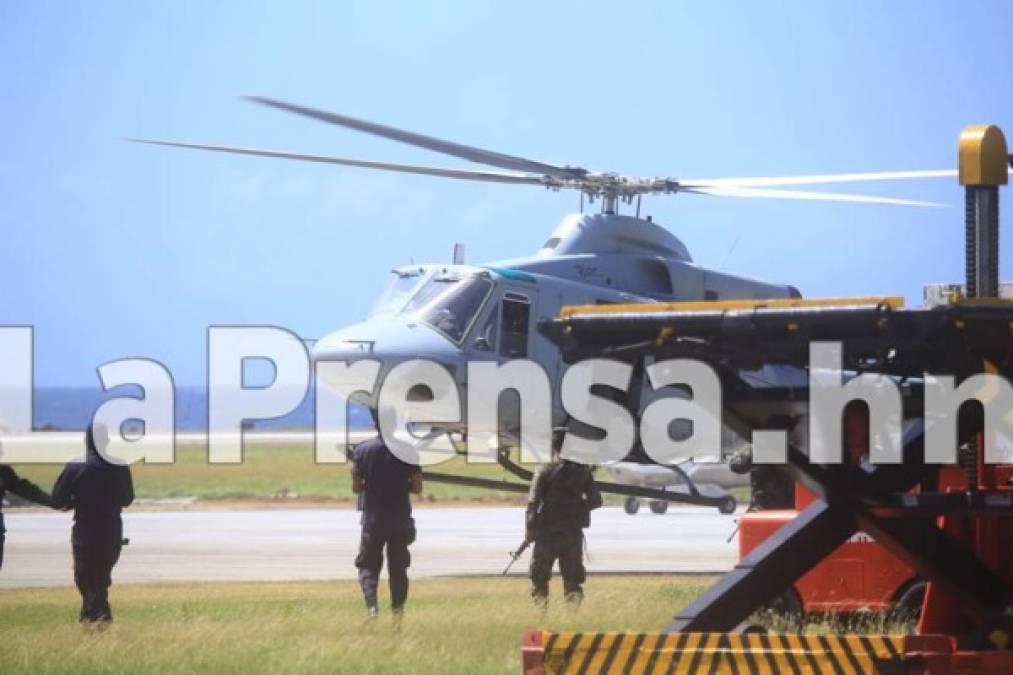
(386,339)
(336,347)
(389,340)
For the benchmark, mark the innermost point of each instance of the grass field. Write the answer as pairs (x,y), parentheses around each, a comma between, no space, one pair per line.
(452,626)
(270,470)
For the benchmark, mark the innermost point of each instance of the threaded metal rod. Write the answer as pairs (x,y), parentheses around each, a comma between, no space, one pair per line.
(982,241)
(970,245)
(993,255)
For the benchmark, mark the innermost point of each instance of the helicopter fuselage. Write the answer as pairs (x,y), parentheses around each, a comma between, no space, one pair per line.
(456,314)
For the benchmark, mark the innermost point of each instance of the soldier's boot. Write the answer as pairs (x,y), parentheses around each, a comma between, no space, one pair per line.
(368,578)
(372,608)
(397,613)
(574,597)
(372,614)
(540,598)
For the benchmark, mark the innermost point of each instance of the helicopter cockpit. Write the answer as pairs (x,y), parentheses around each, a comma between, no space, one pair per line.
(398,291)
(446,300)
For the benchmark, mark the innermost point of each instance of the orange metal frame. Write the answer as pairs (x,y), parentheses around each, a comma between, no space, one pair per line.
(859,575)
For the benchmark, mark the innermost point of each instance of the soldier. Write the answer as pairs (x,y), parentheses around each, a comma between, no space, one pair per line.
(770,487)
(10,481)
(383,483)
(97,491)
(559,504)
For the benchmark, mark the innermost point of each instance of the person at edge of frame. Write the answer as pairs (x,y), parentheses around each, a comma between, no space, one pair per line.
(383,483)
(98,491)
(770,487)
(560,501)
(11,482)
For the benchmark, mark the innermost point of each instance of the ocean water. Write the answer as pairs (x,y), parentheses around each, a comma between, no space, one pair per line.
(71,409)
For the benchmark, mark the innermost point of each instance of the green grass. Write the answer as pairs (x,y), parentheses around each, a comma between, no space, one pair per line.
(452,626)
(270,470)
(741,494)
(895,620)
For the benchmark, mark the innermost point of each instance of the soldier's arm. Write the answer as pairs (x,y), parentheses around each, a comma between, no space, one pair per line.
(63,488)
(358,472)
(415,483)
(531,513)
(741,462)
(592,495)
(535,489)
(26,489)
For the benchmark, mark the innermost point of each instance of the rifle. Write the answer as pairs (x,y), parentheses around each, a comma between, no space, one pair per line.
(514,555)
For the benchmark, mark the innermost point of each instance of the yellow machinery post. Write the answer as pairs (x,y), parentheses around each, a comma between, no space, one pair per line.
(982,153)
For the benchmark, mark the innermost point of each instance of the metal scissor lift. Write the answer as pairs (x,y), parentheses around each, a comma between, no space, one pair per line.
(952,524)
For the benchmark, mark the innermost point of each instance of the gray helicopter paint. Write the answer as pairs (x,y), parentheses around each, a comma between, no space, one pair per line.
(594,259)
(588,258)
(635,256)
(607,233)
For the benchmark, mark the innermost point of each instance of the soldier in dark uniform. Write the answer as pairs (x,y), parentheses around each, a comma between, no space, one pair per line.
(770,487)
(559,504)
(97,491)
(383,483)
(11,482)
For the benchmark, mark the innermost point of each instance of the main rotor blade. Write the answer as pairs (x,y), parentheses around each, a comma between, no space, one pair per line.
(487,176)
(780,181)
(467,152)
(763,193)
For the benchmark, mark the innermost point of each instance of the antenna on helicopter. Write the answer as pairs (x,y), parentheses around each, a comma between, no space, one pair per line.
(612,188)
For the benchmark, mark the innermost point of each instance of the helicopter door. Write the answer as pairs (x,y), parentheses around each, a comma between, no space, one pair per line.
(515,316)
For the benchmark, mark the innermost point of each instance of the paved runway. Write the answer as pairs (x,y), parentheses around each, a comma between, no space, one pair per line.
(295,544)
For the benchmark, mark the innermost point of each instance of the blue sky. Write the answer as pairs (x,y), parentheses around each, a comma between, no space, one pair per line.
(114,250)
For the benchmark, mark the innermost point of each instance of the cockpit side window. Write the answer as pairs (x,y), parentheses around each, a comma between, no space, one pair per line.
(515,315)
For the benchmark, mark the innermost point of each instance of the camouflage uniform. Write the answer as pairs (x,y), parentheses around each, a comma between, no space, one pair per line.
(561,498)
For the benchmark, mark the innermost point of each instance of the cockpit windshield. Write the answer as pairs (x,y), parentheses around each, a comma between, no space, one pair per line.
(398,290)
(450,304)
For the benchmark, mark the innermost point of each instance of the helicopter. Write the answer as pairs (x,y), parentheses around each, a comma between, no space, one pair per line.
(458,312)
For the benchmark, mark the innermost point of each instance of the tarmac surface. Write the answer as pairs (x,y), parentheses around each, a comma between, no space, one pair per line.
(303,544)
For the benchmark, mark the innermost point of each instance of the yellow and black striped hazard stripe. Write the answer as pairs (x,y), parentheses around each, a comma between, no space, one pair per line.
(720,653)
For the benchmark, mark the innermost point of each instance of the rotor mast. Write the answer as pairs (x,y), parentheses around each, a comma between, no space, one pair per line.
(608,204)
